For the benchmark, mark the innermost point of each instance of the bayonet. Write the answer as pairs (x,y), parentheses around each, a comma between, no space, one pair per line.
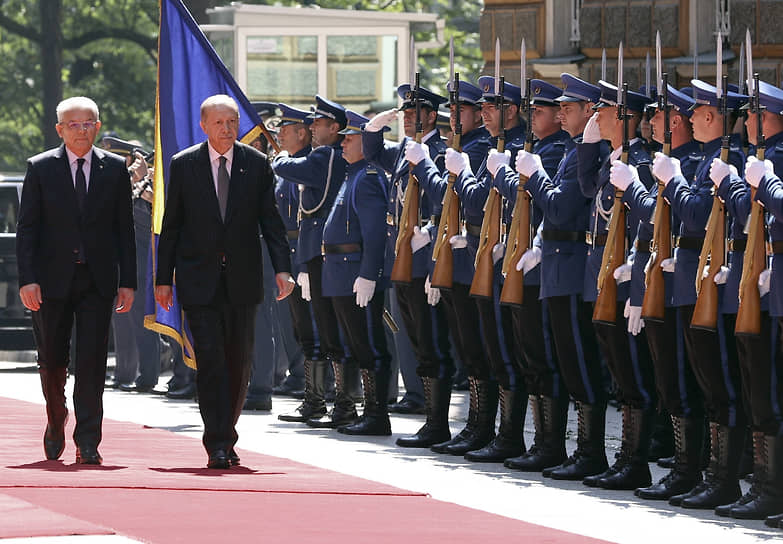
(603,64)
(619,78)
(658,62)
(497,67)
(451,64)
(647,86)
(523,70)
(719,68)
(741,82)
(749,58)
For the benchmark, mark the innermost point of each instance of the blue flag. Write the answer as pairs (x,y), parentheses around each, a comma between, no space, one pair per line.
(189,71)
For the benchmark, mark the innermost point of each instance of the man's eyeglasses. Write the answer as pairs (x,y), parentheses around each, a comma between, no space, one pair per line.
(86,125)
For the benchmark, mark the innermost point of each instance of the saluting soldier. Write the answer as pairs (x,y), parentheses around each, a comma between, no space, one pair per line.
(563,256)
(460,309)
(426,325)
(318,177)
(719,383)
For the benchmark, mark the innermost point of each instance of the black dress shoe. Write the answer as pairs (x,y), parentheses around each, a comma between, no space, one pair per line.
(233,458)
(88,456)
(218,459)
(135,388)
(287,390)
(186,392)
(159,389)
(260,402)
(407,406)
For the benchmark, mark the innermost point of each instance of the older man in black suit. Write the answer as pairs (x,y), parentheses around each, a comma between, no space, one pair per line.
(75,246)
(219,193)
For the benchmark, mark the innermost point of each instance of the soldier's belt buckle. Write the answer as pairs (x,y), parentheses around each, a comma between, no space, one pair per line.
(389,219)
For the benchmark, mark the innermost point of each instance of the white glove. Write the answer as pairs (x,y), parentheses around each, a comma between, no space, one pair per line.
(458,241)
(303,279)
(622,273)
(364,290)
(665,168)
(496,159)
(381,120)
(419,239)
(591,133)
(456,162)
(497,252)
(282,154)
(622,175)
(720,278)
(528,164)
(668,264)
(634,316)
(719,170)
(764,281)
(138,170)
(755,170)
(433,293)
(529,260)
(416,152)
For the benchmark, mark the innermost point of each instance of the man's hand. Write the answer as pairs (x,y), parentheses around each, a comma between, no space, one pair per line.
(496,159)
(622,273)
(497,252)
(591,133)
(420,238)
(528,164)
(364,290)
(720,277)
(303,279)
(164,296)
(665,168)
(381,120)
(634,316)
(458,241)
(433,293)
(529,260)
(763,283)
(622,175)
(456,162)
(755,170)
(31,296)
(719,170)
(124,300)
(416,152)
(285,284)
(669,264)
(138,170)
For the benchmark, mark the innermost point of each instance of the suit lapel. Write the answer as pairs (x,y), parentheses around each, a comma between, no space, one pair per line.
(203,172)
(238,170)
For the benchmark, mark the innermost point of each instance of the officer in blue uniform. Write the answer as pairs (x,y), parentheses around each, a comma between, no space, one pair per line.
(676,385)
(354,276)
(563,255)
(426,325)
(318,177)
(719,383)
(531,327)
(459,308)
(501,375)
(761,382)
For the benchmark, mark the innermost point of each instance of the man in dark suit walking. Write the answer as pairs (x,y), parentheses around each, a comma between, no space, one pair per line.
(219,193)
(75,246)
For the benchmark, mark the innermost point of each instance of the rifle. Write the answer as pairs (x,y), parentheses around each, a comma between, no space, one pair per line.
(749,312)
(519,235)
(705,313)
(605,310)
(653,304)
(442,254)
(402,271)
(481,286)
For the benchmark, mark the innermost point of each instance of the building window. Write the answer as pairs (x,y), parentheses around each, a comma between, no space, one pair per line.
(282,68)
(576,8)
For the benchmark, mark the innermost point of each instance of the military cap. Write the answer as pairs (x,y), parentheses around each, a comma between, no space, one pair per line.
(679,101)
(327,109)
(543,93)
(511,93)
(771,98)
(704,95)
(292,116)
(636,101)
(468,93)
(577,90)
(265,108)
(653,92)
(426,97)
(688,91)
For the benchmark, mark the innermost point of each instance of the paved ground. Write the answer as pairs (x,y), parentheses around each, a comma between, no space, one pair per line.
(613,516)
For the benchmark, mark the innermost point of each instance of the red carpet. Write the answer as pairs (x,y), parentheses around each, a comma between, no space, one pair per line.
(153,488)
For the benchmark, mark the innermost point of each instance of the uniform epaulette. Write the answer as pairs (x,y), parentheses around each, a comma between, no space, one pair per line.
(371,170)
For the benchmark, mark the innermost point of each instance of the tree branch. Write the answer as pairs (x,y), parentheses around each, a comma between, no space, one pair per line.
(24,31)
(149,43)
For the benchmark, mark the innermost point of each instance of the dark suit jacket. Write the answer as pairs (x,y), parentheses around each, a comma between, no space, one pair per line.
(50,227)
(194,237)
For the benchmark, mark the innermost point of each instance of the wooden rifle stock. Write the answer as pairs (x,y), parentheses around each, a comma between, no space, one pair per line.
(402,271)
(518,242)
(705,313)
(654,303)
(749,312)
(483,278)
(605,310)
(442,253)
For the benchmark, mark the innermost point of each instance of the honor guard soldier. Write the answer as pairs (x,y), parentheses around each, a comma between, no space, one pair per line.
(531,323)
(460,308)
(691,200)
(678,392)
(563,255)
(426,325)
(501,377)
(318,177)
(761,382)
(354,276)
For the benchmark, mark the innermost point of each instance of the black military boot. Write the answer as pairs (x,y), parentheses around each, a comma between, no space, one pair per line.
(53,387)
(631,470)
(484,407)
(686,473)
(375,419)
(437,396)
(313,404)
(344,411)
(721,484)
(509,441)
(775,521)
(662,442)
(548,449)
(765,497)
(590,455)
